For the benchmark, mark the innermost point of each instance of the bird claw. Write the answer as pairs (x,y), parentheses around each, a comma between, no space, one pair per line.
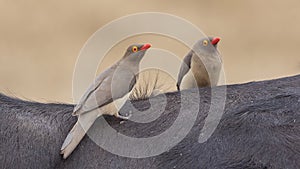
(123,117)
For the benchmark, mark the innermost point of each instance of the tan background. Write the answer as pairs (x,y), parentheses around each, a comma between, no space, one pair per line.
(40,40)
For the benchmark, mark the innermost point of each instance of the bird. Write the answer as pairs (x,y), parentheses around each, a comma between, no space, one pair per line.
(112,86)
(201,66)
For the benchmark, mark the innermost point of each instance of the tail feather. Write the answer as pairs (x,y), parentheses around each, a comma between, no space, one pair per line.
(73,139)
(77,133)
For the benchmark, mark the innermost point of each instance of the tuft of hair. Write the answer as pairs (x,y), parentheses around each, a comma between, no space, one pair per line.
(152,82)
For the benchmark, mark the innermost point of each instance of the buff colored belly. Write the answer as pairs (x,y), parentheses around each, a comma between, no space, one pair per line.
(188,81)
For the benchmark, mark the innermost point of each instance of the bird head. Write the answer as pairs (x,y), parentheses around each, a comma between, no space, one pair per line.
(206,46)
(136,51)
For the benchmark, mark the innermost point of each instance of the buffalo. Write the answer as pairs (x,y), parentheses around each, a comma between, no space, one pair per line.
(260,128)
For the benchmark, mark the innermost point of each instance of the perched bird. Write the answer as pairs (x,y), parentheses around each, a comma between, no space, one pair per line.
(201,66)
(111,86)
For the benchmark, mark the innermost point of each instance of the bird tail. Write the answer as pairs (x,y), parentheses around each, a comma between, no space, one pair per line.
(77,133)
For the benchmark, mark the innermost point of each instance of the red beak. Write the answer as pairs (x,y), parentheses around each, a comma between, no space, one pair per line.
(215,40)
(146,46)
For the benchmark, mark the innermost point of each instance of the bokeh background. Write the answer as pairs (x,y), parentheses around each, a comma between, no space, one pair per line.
(40,40)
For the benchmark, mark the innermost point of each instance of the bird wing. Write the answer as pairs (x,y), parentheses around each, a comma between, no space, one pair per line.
(100,86)
(100,93)
(184,68)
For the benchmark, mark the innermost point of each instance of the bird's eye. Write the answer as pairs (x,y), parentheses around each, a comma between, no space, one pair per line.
(134,49)
(205,43)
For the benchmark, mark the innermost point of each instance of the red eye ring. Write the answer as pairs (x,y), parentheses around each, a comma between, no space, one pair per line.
(134,49)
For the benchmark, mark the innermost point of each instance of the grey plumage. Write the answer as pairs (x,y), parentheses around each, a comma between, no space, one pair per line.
(111,87)
(201,66)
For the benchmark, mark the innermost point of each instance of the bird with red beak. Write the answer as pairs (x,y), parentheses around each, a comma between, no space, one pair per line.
(201,66)
(112,86)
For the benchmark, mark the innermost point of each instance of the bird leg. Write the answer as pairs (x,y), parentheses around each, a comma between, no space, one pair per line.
(118,115)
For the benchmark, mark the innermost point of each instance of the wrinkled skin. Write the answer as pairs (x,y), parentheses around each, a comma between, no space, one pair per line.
(259,129)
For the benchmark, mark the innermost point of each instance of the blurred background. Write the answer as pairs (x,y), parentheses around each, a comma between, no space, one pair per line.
(40,40)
